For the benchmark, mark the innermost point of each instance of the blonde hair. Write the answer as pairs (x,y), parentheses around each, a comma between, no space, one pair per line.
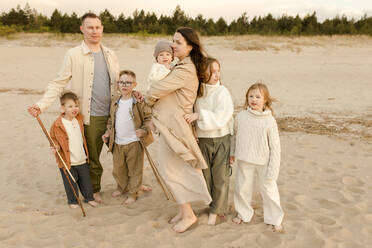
(268,100)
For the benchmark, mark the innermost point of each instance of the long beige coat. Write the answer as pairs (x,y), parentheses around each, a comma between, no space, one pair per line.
(171,98)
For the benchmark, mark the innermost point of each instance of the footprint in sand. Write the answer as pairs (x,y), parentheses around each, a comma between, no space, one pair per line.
(351,181)
(6,234)
(328,170)
(323,220)
(356,190)
(327,204)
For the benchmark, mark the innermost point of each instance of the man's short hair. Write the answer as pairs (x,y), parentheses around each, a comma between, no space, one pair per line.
(89,15)
(68,96)
(129,73)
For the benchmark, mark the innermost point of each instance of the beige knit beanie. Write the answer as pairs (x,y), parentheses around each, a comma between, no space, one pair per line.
(162,46)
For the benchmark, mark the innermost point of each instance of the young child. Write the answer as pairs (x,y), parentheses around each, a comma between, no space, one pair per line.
(128,123)
(67,133)
(256,146)
(214,126)
(163,54)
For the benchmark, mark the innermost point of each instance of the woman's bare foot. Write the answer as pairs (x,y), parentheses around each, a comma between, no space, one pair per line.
(237,220)
(73,206)
(145,188)
(97,197)
(116,193)
(278,228)
(129,200)
(212,219)
(176,218)
(185,224)
(93,203)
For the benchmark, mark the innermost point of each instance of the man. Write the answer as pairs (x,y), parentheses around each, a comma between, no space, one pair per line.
(91,71)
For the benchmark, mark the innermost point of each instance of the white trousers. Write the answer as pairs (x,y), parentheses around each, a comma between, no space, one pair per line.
(244,179)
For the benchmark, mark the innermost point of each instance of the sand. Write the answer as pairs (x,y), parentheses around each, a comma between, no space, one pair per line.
(324,88)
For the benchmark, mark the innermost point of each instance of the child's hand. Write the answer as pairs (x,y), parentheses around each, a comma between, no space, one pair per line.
(55,148)
(105,137)
(191,117)
(232,159)
(141,133)
(139,97)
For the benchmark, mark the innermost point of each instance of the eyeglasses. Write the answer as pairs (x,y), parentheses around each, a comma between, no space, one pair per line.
(125,83)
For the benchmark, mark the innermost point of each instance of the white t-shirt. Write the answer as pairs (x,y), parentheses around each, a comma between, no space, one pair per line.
(125,131)
(75,141)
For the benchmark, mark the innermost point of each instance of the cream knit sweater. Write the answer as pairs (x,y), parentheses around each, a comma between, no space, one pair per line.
(215,110)
(257,140)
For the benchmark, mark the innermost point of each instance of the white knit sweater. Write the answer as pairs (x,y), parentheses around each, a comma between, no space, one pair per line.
(257,140)
(215,110)
(157,72)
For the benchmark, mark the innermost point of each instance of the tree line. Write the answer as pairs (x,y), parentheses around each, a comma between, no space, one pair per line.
(30,20)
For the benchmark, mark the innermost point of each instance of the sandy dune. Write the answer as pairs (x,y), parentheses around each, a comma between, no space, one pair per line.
(324,87)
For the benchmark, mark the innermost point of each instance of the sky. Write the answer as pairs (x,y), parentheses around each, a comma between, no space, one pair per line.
(228,9)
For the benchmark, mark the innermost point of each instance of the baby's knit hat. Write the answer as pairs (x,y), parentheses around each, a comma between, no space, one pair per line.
(162,46)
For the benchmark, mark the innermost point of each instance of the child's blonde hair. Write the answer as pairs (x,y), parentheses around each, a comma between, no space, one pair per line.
(264,91)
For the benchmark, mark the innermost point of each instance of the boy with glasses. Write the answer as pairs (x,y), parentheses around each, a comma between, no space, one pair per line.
(128,123)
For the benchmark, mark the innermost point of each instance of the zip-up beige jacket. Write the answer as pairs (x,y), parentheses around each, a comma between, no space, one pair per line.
(77,72)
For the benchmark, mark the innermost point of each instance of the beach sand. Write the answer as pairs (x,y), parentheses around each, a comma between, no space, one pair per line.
(324,88)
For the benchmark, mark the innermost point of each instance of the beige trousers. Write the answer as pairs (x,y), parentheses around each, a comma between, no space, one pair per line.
(244,178)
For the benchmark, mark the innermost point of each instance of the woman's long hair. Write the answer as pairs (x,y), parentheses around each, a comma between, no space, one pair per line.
(197,54)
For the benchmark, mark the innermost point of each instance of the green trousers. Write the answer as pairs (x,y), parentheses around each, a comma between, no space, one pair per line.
(93,134)
(216,152)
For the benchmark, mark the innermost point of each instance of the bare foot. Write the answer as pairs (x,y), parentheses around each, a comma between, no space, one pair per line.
(176,218)
(237,220)
(93,203)
(212,219)
(73,205)
(129,200)
(97,197)
(145,188)
(184,224)
(116,193)
(278,228)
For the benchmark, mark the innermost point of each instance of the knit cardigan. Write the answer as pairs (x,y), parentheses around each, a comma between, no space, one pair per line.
(257,141)
(215,110)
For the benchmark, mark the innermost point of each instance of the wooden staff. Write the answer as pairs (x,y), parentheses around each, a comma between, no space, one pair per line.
(68,176)
(167,192)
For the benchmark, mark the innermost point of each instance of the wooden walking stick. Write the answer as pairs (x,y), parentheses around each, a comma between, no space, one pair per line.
(153,167)
(68,176)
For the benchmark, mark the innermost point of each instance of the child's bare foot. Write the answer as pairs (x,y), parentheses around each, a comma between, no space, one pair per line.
(237,220)
(93,203)
(185,224)
(129,200)
(145,188)
(116,193)
(73,206)
(278,228)
(212,219)
(97,197)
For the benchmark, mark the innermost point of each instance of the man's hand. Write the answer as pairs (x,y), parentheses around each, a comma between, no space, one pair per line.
(138,95)
(105,137)
(191,117)
(34,110)
(55,148)
(141,133)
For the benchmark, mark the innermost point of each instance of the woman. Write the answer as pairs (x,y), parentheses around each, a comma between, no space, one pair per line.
(180,160)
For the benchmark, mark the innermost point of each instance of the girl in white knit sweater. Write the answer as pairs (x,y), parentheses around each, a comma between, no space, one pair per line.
(214,126)
(256,147)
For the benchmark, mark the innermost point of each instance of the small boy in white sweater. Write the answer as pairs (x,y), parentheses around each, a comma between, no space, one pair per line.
(163,54)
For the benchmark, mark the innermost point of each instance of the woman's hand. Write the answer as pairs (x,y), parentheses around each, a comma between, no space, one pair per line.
(138,95)
(191,117)
(141,133)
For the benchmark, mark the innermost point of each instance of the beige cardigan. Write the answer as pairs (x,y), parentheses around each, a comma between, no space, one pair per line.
(77,72)
(171,98)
